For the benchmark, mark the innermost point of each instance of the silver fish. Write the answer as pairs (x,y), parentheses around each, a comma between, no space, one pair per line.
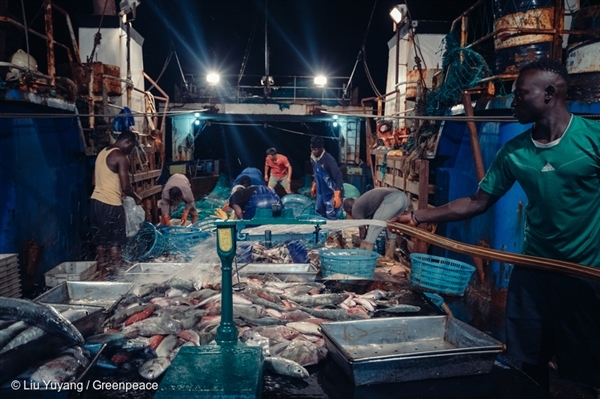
(334,314)
(11,331)
(302,352)
(136,343)
(30,334)
(166,346)
(317,300)
(154,368)
(263,321)
(39,315)
(282,366)
(249,311)
(61,369)
(144,289)
(400,309)
(153,326)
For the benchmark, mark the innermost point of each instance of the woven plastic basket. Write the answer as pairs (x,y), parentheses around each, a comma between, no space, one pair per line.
(439,274)
(355,262)
(147,244)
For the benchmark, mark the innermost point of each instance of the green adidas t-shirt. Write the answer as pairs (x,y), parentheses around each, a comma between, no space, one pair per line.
(562,184)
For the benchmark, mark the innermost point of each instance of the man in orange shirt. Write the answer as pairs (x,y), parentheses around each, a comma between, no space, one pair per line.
(280,168)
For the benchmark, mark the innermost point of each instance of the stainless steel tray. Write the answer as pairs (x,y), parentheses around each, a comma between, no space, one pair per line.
(290,272)
(96,293)
(16,360)
(409,348)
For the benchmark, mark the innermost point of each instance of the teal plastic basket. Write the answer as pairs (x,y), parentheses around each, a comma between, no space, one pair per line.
(147,244)
(439,274)
(355,262)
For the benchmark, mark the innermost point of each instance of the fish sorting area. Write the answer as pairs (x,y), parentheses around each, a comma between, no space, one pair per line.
(318,337)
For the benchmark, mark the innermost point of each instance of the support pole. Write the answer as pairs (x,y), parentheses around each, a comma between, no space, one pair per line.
(475,148)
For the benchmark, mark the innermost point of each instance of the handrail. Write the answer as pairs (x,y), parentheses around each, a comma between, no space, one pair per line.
(533,262)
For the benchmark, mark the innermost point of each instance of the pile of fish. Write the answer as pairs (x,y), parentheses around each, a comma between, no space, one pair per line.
(155,320)
(25,321)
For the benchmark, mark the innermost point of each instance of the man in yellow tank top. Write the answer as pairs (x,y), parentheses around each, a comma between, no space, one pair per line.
(111,180)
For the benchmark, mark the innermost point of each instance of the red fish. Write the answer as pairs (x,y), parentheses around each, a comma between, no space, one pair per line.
(155,340)
(139,316)
(120,357)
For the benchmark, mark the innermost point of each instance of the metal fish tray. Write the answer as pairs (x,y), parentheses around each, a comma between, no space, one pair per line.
(290,272)
(16,360)
(409,348)
(96,293)
(142,273)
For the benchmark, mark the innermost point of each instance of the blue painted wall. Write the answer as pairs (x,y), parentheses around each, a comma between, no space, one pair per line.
(44,187)
(454,170)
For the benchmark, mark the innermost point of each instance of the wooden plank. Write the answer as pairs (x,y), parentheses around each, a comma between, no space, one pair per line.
(145,175)
(423,166)
(149,192)
(389,179)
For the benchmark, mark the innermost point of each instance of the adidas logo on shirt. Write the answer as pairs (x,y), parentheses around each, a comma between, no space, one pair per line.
(548,168)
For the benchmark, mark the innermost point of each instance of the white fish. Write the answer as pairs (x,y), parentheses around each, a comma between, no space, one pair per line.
(368,304)
(61,369)
(305,327)
(166,346)
(154,368)
(282,366)
(375,294)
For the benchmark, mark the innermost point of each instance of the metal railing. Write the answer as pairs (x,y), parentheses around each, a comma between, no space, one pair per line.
(293,89)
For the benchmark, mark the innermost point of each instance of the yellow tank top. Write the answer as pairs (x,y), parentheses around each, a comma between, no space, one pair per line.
(108,185)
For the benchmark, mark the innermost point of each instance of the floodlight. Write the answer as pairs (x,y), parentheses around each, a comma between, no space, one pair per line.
(335,124)
(197,122)
(320,81)
(398,13)
(196,114)
(335,116)
(128,6)
(263,80)
(212,78)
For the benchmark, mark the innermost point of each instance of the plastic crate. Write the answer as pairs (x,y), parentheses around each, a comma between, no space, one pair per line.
(355,262)
(439,274)
(70,271)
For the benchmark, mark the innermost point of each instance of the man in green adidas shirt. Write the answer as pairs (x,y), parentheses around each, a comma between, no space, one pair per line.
(557,163)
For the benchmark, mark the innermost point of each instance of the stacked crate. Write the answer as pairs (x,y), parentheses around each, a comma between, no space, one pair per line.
(10,281)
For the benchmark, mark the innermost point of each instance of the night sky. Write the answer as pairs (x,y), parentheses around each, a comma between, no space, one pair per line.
(304,36)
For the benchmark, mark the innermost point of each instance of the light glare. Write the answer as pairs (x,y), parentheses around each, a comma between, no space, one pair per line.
(397,13)
(320,81)
(212,78)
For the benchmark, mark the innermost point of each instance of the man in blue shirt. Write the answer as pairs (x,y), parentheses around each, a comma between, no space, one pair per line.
(328,185)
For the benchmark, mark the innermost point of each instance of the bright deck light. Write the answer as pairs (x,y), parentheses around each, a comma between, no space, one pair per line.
(212,78)
(320,81)
(398,13)
(197,122)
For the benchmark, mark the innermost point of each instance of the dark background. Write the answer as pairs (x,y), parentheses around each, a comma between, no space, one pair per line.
(305,37)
